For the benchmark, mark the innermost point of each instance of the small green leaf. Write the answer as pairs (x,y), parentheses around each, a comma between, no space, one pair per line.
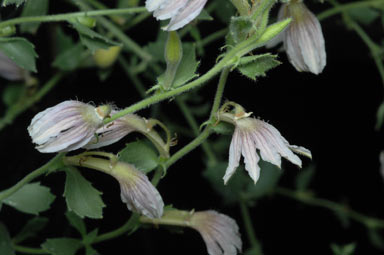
(70,59)
(240,27)
(82,198)
(141,155)
(33,8)
(89,250)
(12,93)
(19,50)
(5,241)
(61,246)
(186,70)
(30,229)
(62,40)
(304,178)
(32,198)
(76,222)
(91,39)
(16,2)
(204,15)
(255,66)
(364,15)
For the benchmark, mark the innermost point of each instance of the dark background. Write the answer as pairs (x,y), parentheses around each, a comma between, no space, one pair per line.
(332,114)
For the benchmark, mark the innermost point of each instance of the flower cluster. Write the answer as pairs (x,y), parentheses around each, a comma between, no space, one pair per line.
(181,12)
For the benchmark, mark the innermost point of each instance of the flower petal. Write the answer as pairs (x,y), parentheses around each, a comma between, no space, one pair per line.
(251,158)
(234,155)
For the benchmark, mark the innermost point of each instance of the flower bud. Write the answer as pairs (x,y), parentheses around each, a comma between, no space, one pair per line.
(7,30)
(87,21)
(173,54)
(106,57)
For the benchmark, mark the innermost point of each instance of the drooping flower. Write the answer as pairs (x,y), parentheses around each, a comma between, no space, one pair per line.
(253,134)
(181,12)
(9,70)
(137,191)
(220,232)
(303,39)
(119,128)
(67,126)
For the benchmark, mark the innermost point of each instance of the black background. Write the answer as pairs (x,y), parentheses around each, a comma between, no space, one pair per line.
(332,114)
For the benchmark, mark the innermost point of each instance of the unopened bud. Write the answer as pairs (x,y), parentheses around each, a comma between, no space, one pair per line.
(87,21)
(7,30)
(106,57)
(173,55)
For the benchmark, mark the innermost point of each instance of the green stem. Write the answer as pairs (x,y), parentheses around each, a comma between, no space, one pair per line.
(18,108)
(195,128)
(189,147)
(128,226)
(248,225)
(53,164)
(67,16)
(219,93)
(309,199)
(29,250)
(345,7)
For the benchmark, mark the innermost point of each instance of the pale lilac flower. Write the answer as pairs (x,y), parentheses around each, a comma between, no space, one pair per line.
(181,12)
(67,126)
(220,232)
(253,134)
(137,191)
(303,39)
(113,132)
(9,70)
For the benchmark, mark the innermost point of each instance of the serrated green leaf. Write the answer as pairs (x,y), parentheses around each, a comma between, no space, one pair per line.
(255,66)
(92,39)
(141,155)
(5,241)
(304,178)
(61,246)
(223,128)
(70,59)
(30,229)
(76,222)
(240,27)
(16,2)
(186,70)
(33,8)
(12,94)
(31,198)
(81,197)
(20,50)
(364,15)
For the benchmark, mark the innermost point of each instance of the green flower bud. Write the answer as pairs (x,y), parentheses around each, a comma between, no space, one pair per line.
(7,30)
(87,21)
(173,55)
(106,57)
